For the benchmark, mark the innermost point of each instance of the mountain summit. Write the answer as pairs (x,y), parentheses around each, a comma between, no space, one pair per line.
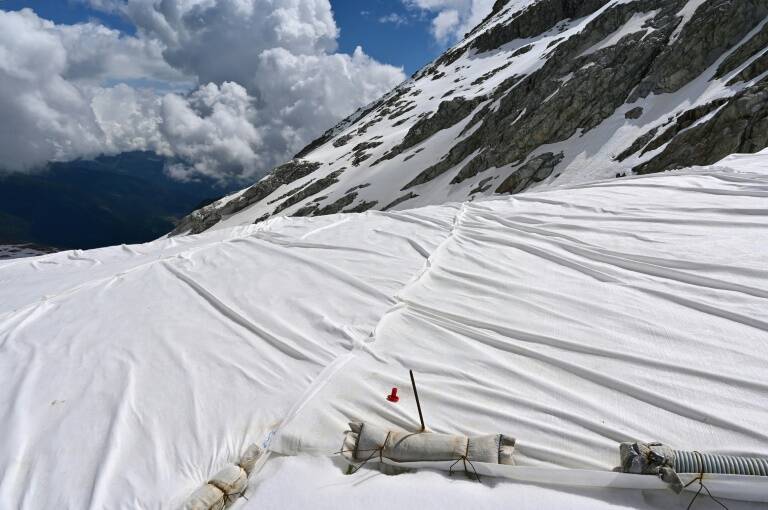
(541,93)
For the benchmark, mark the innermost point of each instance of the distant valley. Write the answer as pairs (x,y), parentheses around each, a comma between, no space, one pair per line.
(88,204)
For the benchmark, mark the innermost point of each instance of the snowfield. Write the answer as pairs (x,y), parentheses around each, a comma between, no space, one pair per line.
(571,318)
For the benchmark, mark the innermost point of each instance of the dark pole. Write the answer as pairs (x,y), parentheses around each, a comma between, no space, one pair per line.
(418,404)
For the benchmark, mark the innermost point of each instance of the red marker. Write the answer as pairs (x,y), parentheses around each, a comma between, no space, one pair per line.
(392,397)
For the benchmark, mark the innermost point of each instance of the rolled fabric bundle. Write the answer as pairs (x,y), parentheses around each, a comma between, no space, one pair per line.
(205,498)
(250,458)
(227,485)
(369,443)
(231,480)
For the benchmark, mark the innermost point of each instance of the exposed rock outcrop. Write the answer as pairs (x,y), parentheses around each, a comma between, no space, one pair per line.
(448,114)
(716,26)
(399,200)
(535,170)
(538,18)
(313,189)
(740,126)
(548,109)
(204,218)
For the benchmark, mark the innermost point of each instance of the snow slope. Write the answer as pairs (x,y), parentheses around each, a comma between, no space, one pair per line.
(602,93)
(572,318)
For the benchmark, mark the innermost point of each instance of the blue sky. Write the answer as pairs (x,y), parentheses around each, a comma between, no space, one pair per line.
(66,11)
(386,29)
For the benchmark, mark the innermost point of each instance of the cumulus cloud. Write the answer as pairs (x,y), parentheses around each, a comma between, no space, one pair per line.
(129,119)
(96,53)
(282,52)
(452,18)
(263,77)
(45,116)
(394,19)
(445,24)
(213,129)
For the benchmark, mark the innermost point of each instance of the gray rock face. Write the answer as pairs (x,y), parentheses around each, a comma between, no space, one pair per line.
(638,144)
(359,153)
(362,207)
(202,219)
(549,110)
(313,188)
(399,200)
(739,56)
(740,126)
(752,71)
(482,186)
(634,113)
(448,114)
(336,206)
(535,170)
(650,142)
(683,122)
(538,18)
(717,26)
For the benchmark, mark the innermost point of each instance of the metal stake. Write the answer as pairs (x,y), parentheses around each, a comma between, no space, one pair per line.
(418,404)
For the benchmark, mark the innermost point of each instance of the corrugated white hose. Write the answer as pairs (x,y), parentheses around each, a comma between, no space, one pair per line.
(695,462)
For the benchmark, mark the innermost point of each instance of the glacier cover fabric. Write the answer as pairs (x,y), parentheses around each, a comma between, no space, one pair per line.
(574,318)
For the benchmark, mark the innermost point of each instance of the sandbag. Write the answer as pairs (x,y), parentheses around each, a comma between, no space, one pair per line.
(226,485)
(206,497)
(250,458)
(650,459)
(231,480)
(370,443)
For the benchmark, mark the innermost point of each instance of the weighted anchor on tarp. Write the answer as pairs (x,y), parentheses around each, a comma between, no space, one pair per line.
(366,442)
(228,484)
(661,460)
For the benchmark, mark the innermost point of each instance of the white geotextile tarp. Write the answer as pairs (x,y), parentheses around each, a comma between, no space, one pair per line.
(130,375)
(572,319)
(576,319)
(324,487)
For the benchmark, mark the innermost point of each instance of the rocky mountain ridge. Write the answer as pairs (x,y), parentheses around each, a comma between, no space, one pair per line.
(541,93)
